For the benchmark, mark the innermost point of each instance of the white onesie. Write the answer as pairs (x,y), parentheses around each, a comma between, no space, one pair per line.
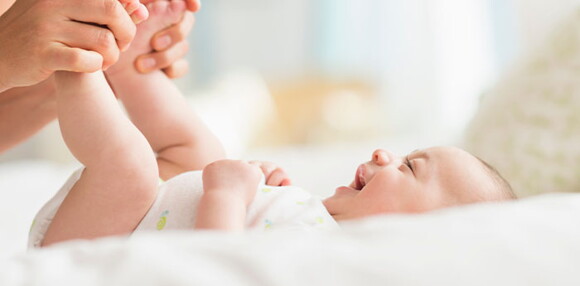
(286,208)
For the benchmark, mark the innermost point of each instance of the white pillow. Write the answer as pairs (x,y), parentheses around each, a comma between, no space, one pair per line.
(528,126)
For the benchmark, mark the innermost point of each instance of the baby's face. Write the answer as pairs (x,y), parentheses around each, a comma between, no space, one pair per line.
(422,181)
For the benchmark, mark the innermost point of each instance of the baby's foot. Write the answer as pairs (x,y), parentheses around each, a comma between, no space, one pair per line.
(162,14)
(95,83)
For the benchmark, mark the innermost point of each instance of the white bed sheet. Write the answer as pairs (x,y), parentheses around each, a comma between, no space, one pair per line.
(531,242)
(535,241)
(25,187)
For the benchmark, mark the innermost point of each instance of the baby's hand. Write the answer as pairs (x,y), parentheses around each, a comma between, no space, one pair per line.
(275,176)
(238,178)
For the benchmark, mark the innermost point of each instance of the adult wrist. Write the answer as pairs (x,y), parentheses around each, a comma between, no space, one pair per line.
(39,96)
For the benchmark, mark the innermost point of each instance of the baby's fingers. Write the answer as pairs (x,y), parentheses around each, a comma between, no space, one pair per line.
(278,177)
(266,167)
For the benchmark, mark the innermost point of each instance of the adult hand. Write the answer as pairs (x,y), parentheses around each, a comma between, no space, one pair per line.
(39,37)
(169,46)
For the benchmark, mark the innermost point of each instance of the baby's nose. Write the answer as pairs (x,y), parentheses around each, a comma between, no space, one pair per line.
(382,157)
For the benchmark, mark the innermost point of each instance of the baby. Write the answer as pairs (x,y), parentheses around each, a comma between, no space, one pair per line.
(118,191)
(422,181)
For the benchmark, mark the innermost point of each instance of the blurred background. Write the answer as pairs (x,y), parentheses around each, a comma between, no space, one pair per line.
(272,75)
(340,70)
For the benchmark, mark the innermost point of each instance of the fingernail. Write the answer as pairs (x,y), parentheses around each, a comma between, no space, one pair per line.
(136,18)
(163,42)
(147,63)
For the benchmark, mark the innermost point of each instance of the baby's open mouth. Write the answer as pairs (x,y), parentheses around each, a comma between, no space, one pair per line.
(359,179)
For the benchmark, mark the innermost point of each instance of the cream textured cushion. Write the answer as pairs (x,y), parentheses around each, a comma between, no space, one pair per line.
(528,126)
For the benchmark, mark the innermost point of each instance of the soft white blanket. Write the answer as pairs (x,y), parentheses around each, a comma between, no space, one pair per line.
(535,241)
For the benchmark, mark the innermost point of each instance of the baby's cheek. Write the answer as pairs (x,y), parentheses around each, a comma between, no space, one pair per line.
(385,180)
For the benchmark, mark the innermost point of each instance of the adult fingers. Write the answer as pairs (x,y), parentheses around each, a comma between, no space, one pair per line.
(110,13)
(174,34)
(90,37)
(66,58)
(160,60)
(177,69)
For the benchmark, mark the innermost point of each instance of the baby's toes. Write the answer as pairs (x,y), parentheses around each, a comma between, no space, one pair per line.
(166,13)
(130,5)
(136,10)
(140,15)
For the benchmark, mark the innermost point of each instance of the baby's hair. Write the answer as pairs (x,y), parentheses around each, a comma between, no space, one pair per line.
(504,186)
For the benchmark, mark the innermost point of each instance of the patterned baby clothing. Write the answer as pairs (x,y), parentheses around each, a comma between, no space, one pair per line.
(274,208)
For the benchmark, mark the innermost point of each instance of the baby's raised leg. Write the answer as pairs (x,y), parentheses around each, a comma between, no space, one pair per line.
(179,137)
(161,15)
(119,182)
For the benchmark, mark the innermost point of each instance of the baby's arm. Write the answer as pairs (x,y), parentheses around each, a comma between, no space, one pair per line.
(180,139)
(228,189)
